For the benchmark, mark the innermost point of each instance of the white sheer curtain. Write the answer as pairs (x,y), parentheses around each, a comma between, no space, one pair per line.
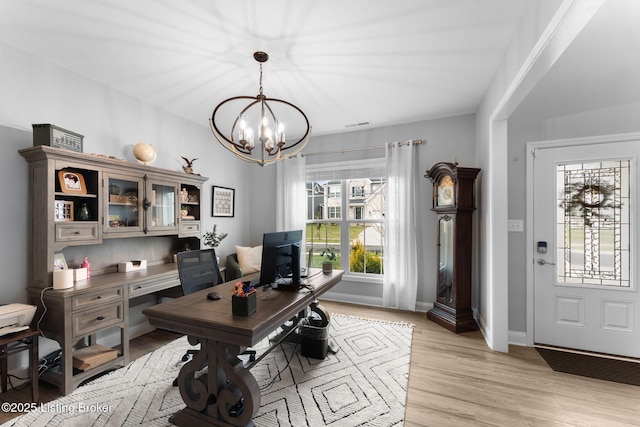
(291,197)
(400,289)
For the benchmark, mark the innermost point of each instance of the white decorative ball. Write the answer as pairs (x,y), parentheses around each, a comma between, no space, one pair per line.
(145,153)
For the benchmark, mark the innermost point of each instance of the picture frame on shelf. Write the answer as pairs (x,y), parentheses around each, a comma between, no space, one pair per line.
(59,263)
(222,201)
(63,211)
(71,182)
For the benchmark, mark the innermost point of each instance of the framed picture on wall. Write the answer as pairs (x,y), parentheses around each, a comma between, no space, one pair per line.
(222,201)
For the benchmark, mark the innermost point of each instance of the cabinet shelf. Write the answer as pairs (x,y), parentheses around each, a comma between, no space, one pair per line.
(75,196)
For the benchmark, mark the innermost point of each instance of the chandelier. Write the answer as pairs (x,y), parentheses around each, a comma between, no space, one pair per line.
(260,121)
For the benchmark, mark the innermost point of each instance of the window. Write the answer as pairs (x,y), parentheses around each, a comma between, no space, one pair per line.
(346,217)
(334,212)
(357,192)
(357,213)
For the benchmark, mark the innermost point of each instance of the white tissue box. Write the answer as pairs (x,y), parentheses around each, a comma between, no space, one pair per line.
(79,274)
(134,265)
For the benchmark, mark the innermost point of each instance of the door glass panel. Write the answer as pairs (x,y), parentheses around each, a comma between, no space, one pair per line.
(593,223)
(163,206)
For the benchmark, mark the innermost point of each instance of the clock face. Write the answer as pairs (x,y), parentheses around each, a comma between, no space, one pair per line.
(445,192)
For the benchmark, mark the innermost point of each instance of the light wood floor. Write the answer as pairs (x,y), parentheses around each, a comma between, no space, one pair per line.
(456,380)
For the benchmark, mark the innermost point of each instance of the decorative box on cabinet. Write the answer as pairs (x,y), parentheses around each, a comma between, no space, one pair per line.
(453,201)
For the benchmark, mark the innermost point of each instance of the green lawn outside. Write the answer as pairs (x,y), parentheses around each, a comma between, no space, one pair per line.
(329,236)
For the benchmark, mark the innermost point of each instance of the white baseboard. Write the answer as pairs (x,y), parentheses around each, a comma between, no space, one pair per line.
(518,338)
(368,300)
(139,329)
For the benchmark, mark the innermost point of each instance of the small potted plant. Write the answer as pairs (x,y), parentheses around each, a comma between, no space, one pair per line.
(212,238)
(330,255)
(184,210)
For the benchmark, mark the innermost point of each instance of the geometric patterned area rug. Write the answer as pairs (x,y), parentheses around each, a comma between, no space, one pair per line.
(363,384)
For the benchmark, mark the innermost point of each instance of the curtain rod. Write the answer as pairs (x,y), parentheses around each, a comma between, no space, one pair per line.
(350,150)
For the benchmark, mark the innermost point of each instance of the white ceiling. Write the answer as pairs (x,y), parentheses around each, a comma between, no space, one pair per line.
(342,61)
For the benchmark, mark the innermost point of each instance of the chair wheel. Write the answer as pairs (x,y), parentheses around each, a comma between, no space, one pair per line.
(252,358)
(175,382)
(185,357)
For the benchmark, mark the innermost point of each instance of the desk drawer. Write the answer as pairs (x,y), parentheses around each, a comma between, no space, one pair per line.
(149,286)
(97,297)
(189,228)
(91,321)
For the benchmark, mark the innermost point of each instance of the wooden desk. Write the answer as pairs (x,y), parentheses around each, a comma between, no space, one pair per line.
(222,336)
(15,343)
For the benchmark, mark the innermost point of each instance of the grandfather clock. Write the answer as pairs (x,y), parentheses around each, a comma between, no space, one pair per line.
(453,201)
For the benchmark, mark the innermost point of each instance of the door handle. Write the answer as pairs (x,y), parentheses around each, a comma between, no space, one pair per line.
(542,261)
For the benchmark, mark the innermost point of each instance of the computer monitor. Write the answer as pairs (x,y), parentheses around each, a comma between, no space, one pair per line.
(280,264)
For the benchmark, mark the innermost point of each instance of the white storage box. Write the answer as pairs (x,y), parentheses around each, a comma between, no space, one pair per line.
(134,265)
(79,274)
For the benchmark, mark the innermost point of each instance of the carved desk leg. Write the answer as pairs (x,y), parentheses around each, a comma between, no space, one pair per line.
(210,396)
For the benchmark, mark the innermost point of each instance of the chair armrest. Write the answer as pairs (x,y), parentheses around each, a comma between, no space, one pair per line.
(234,271)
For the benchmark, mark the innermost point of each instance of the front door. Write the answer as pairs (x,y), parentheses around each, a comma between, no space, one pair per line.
(586,221)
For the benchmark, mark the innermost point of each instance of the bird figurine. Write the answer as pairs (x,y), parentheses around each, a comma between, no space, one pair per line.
(189,167)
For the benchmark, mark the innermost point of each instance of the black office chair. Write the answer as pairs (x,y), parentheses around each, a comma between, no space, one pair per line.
(199,270)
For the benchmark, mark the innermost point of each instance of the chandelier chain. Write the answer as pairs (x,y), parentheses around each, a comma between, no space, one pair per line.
(261,79)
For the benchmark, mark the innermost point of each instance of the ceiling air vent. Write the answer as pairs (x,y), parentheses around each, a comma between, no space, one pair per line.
(353,125)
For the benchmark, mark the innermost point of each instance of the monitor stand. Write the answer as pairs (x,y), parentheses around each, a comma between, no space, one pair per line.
(286,284)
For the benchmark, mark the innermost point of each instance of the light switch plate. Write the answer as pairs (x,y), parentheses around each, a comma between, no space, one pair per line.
(515,225)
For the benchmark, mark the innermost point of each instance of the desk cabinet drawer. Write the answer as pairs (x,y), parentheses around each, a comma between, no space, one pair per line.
(97,297)
(93,320)
(189,228)
(72,231)
(146,287)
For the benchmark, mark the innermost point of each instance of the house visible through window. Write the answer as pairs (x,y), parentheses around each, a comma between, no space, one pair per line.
(345,221)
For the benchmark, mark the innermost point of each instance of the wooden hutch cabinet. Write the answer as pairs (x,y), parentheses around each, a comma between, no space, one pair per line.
(85,200)
(453,202)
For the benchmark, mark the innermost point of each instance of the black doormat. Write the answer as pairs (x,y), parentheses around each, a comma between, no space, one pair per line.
(595,366)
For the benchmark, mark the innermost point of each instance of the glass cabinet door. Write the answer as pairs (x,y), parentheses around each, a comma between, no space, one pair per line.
(124,205)
(163,208)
